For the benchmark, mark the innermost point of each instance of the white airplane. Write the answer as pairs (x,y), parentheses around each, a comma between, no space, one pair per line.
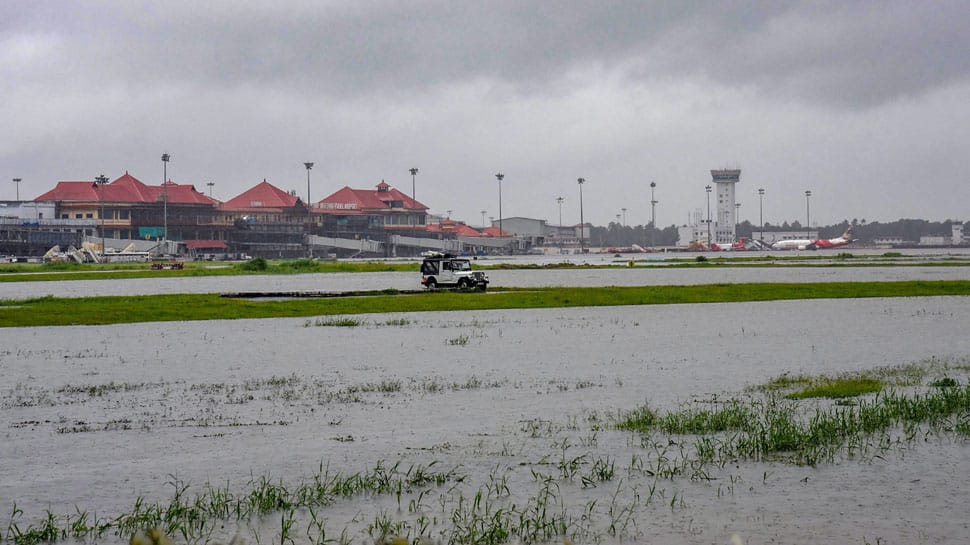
(807,244)
(739,246)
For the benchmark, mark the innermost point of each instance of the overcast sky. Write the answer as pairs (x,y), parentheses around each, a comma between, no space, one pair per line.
(866,104)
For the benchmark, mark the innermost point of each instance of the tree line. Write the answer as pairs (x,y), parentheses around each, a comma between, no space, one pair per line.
(910,230)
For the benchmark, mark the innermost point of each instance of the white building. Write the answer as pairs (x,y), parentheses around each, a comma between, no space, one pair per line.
(725,222)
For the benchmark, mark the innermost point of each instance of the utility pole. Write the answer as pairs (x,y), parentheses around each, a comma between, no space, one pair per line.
(414,202)
(99,182)
(582,222)
(499,177)
(761,211)
(309,212)
(808,213)
(653,213)
(708,190)
(165,158)
(559,200)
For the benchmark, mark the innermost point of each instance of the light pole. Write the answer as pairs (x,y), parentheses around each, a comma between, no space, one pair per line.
(309,217)
(653,212)
(449,213)
(165,158)
(708,190)
(414,202)
(808,213)
(582,222)
(99,182)
(210,184)
(17,181)
(499,177)
(483,219)
(624,216)
(761,211)
(559,201)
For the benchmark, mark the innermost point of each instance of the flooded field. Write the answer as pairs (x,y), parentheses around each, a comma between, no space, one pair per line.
(520,278)
(507,416)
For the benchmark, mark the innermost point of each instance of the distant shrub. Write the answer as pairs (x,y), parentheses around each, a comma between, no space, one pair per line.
(701,259)
(892,254)
(254,264)
(60,266)
(844,255)
(300,265)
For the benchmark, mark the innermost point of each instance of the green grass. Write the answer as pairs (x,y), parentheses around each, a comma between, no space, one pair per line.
(27,272)
(839,388)
(792,429)
(30,272)
(49,311)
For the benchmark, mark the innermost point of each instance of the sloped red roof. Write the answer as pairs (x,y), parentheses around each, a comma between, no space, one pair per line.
(262,196)
(357,201)
(204,244)
(495,232)
(126,189)
(70,191)
(454,227)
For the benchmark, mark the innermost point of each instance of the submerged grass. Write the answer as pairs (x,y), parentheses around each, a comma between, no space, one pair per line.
(45,311)
(839,388)
(783,428)
(194,515)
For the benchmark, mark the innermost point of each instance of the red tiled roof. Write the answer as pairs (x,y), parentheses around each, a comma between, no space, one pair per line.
(262,196)
(358,201)
(70,191)
(126,189)
(454,227)
(495,232)
(204,244)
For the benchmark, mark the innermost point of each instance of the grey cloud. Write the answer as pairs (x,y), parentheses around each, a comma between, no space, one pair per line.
(836,53)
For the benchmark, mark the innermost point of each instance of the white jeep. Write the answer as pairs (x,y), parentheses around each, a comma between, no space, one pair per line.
(443,270)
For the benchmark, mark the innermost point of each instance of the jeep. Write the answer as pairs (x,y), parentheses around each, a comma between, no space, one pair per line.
(443,270)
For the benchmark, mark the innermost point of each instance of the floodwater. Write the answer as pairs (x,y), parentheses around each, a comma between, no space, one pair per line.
(501,277)
(93,417)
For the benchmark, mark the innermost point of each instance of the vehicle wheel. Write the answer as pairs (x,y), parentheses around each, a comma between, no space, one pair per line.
(462,283)
(432,284)
(482,287)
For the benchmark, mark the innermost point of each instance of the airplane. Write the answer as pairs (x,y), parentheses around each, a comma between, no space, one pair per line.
(739,246)
(822,243)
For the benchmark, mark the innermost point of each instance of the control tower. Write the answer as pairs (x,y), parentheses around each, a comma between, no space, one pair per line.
(726,219)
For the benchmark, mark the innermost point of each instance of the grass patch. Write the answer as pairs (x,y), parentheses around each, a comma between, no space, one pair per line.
(335,322)
(792,429)
(46,311)
(28,272)
(839,388)
(785,382)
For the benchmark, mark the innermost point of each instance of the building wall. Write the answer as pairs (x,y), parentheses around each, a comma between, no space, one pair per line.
(28,210)
(525,227)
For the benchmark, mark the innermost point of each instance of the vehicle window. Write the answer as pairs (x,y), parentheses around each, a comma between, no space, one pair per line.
(429,267)
(462,266)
